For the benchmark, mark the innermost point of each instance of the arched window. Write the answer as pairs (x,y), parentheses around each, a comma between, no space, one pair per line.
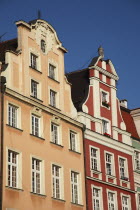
(43,46)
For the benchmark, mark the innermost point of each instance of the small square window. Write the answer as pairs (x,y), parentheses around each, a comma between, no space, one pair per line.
(12,115)
(35,125)
(33,61)
(52,71)
(53,98)
(34,88)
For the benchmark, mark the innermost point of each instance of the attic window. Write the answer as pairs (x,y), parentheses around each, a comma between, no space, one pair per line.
(43,46)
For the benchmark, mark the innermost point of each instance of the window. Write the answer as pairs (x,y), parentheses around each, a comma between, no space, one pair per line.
(109,164)
(52,98)
(138,201)
(94,158)
(73,141)
(52,71)
(33,61)
(75,187)
(137,160)
(125,203)
(111,201)
(96,199)
(56,176)
(105,99)
(105,126)
(36,176)
(12,169)
(123,169)
(43,46)
(55,133)
(35,125)
(12,115)
(34,89)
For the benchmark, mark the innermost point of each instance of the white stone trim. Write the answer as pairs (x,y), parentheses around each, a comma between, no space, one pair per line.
(101,195)
(115,193)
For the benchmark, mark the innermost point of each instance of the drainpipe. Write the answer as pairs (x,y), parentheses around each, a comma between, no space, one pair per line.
(2,91)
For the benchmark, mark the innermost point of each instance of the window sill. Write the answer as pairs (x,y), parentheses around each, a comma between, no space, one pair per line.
(96,171)
(56,144)
(110,176)
(58,199)
(38,194)
(54,79)
(137,171)
(54,107)
(36,99)
(35,69)
(124,181)
(14,127)
(74,151)
(106,106)
(14,188)
(77,204)
(37,136)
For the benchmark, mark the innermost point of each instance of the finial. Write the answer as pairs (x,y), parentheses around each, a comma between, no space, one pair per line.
(39,14)
(101,51)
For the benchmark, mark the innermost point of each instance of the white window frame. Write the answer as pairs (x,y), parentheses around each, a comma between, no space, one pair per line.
(52,71)
(12,115)
(55,64)
(129,201)
(107,98)
(53,98)
(137,159)
(33,125)
(37,54)
(115,199)
(55,180)
(41,172)
(18,115)
(75,184)
(112,163)
(34,61)
(74,141)
(55,133)
(95,197)
(125,168)
(18,166)
(107,129)
(97,158)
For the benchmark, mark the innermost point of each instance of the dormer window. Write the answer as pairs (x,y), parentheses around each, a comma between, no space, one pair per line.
(43,46)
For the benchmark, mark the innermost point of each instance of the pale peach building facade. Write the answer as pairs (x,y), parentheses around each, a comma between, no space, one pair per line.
(43,163)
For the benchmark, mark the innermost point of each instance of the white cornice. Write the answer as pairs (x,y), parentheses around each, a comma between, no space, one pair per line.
(44,108)
(105,72)
(21,22)
(109,142)
(121,131)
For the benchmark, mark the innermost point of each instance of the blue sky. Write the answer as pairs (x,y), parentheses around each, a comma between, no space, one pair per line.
(83,25)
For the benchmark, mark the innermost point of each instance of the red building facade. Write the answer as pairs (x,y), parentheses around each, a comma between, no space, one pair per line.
(108,146)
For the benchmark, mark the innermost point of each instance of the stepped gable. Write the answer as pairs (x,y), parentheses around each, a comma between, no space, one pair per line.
(7,45)
(129,122)
(80,87)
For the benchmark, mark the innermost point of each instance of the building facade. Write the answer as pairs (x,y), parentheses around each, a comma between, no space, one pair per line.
(107,143)
(42,143)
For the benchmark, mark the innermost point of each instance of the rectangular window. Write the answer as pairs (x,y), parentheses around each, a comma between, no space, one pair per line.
(73,141)
(105,126)
(111,201)
(109,164)
(35,125)
(137,160)
(94,159)
(12,169)
(33,61)
(75,187)
(36,176)
(104,97)
(12,115)
(123,169)
(96,199)
(52,71)
(34,89)
(56,176)
(52,98)
(125,203)
(55,133)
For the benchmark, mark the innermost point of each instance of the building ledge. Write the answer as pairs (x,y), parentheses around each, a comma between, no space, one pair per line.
(59,145)
(35,69)
(75,151)
(54,80)
(77,204)
(37,137)
(14,127)
(36,99)
(95,171)
(58,199)
(14,188)
(38,194)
